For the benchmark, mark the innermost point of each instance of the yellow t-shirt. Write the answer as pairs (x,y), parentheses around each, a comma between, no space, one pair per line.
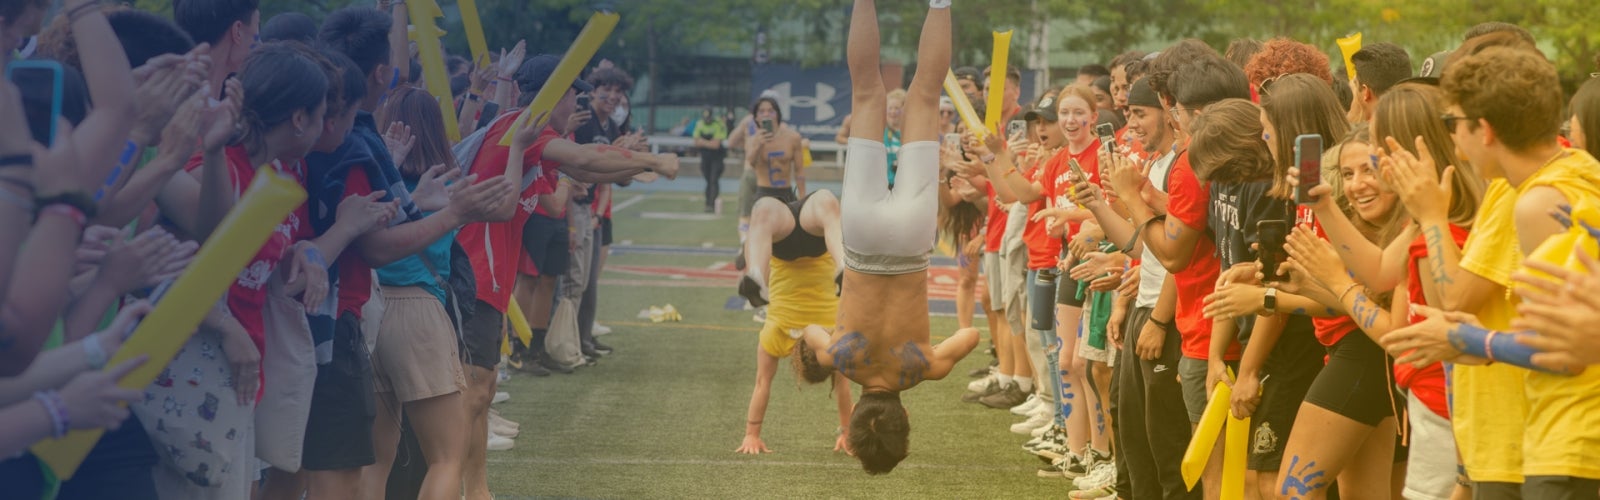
(802,295)
(1488,409)
(1563,425)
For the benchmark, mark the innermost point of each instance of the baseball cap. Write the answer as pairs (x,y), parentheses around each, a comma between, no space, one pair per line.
(1140,94)
(1045,109)
(537,70)
(1432,69)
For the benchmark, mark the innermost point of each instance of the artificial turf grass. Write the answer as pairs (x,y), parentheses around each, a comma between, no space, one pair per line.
(661,416)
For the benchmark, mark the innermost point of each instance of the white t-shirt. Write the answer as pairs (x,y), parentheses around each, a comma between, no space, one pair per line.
(1151,273)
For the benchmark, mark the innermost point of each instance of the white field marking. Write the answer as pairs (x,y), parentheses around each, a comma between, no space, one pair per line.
(628,203)
(852,464)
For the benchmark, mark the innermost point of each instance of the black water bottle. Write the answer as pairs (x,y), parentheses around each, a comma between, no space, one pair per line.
(1042,300)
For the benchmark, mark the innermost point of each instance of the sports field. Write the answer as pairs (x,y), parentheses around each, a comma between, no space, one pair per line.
(661,416)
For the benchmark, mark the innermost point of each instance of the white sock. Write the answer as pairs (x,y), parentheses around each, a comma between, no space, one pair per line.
(938,4)
(1006,380)
(1024,383)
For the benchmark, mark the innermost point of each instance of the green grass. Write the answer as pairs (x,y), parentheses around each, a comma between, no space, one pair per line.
(661,416)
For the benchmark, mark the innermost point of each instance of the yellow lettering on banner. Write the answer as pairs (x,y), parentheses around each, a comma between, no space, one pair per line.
(426,34)
(474,29)
(1348,46)
(997,81)
(964,109)
(264,206)
(578,55)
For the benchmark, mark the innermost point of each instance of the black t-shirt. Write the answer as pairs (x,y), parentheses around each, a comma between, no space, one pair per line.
(1235,210)
(599,130)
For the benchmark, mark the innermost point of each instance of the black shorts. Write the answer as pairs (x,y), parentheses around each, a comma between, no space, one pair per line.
(1293,366)
(339,430)
(1356,383)
(783,194)
(545,239)
(1560,487)
(480,340)
(799,243)
(605,232)
(1067,292)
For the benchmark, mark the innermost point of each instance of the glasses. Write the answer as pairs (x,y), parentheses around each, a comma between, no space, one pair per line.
(1450,120)
(1267,83)
(947,111)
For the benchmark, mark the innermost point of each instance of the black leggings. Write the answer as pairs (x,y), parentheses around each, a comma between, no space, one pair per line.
(711,164)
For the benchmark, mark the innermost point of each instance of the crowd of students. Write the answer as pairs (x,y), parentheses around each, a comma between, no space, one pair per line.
(1390,342)
(377,308)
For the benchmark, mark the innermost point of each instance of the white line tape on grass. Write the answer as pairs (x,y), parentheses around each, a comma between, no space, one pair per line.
(628,203)
(731,463)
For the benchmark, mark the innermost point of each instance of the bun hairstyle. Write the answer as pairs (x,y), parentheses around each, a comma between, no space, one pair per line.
(279,79)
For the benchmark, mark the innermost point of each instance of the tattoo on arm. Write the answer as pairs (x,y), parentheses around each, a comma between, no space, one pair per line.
(1435,239)
(1364,311)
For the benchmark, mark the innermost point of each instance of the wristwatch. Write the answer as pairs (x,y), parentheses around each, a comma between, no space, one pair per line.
(1269,301)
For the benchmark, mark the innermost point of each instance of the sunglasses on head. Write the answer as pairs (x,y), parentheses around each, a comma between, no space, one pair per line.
(1267,83)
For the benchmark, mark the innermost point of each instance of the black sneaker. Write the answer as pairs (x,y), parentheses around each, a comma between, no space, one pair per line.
(838,284)
(1005,398)
(589,351)
(1078,467)
(751,291)
(976,396)
(544,360)
(527,366)
(600,348)
(738,260)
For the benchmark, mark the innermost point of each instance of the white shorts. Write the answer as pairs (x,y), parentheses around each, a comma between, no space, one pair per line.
(889,231)
(1431,471)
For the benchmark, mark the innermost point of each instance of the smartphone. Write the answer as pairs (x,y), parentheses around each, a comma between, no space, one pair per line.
(1108,137)
(1015,127)
(28,73)
(952,139)
(769,126)
(583,103)
(1270,236)
(1077,170)
(1308,157)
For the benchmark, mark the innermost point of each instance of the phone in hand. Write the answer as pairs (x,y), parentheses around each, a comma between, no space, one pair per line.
(1108,137)
(33,73)
(1077,170)
(1015,127)
(1270,236)
(952,138)
(1308,157)
(583,103)
(769,126)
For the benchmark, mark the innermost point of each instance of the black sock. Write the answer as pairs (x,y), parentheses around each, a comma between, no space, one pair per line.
(538,340)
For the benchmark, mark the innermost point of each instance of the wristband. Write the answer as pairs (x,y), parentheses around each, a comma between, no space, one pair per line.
(1163,324)
(65,210)
(24,160)
(57,409)
(94,352)
(77,200)
(1496,346)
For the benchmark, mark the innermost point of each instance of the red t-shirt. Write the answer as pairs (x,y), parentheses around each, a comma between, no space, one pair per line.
(1189,202)
(355,275)
(1329,330)
(996,223)
(496,247)
(1057,183)
(1428,382)
(247,297)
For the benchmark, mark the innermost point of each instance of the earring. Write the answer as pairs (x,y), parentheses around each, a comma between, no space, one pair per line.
(299,132)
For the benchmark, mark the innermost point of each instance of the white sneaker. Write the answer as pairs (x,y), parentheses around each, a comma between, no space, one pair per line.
(501,430)
(1026,408)
(497,443)
(761,315)
(979,384)
(1033,422)
(495,418)
(501,397)
(1102,475)
(600,329)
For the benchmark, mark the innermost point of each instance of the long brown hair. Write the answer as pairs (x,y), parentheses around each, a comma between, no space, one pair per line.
(1412,110)
(1225,144)
(417,109)
(1379,233)
(1301,104)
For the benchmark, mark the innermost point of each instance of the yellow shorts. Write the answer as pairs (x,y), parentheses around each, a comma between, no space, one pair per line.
(802,295)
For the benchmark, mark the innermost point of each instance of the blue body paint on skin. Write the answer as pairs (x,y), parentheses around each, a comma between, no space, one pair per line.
(1300,311)
(1304,480)
(913,364)
(845,350)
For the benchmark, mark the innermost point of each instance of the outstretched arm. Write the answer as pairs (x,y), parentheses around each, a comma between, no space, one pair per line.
(949,352)
(766,367)
(599,164)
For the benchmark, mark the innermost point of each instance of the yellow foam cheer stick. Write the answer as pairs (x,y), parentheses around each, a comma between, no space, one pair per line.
(1560,250)
(1234,452)
(519,323)
(161,333)
(1205,436)
(1348,46)
(474,29)
(997,82)
(426,34)
(969,116)
(578,56)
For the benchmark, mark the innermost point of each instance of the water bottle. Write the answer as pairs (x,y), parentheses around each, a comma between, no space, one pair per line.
(1042,300)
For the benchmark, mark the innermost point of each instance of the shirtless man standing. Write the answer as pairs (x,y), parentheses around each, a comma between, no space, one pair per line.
(773,154)
(882,340)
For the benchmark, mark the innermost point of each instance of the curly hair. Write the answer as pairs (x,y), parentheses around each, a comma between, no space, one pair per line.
(1517,91)
(806,365)
(1282,56)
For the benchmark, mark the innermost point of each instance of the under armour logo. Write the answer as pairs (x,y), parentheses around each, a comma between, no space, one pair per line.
(820,102)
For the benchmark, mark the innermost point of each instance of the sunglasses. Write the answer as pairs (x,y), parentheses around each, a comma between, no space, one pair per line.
(1267,83)
(1450,120)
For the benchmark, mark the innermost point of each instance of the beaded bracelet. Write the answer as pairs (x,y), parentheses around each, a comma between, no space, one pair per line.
(58,411)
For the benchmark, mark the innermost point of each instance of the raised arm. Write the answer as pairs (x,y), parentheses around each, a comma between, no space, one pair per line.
(599,163)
